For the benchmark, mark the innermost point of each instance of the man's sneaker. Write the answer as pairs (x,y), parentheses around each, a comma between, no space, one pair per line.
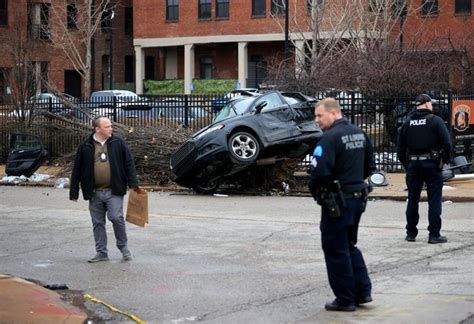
(438,239)
(363,300)
(336,306)
(127,256)
(98,257)
(410,238)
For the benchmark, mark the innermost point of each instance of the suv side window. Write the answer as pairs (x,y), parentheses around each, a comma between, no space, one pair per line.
(273,100)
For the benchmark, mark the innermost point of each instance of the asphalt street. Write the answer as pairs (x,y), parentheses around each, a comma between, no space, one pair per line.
(240,259)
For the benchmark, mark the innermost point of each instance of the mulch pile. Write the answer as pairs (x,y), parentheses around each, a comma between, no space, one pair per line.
(150,146)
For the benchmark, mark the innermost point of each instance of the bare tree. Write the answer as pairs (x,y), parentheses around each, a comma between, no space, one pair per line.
(360,45)
(73,25)
(463,57)
(24,76)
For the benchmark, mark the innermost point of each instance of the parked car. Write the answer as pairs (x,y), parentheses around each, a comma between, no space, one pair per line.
(26,155)
(57,103)
(106,102)
(268,126)
(138,113)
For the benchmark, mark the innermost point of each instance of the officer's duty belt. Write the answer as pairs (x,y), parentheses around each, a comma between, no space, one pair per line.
(350,195)
(420,157)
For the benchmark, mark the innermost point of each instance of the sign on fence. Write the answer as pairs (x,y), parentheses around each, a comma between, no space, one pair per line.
(462,119)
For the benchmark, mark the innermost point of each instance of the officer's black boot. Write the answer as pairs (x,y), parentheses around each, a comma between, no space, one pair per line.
(437,239)
(337,306)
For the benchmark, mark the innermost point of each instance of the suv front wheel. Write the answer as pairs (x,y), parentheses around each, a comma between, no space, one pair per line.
(243,148)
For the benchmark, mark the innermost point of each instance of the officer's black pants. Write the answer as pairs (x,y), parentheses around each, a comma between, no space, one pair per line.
(345,264)
(419,172)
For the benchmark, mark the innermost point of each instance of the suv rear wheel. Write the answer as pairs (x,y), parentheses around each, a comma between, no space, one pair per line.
(207,187)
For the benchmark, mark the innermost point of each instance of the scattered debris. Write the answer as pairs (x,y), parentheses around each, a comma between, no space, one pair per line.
(61,183)
(36,177)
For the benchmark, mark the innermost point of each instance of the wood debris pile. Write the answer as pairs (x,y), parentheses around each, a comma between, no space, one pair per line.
(152,148)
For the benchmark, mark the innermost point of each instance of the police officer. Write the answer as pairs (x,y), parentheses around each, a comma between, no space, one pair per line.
(341,161)
(423,145)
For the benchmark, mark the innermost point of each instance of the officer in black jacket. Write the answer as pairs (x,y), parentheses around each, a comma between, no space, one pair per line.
(104,167)
(424,144)
(341,161)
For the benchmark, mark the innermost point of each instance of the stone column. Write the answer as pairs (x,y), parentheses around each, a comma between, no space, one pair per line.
(299,57)
(139,69)
(188,67)
(243,64)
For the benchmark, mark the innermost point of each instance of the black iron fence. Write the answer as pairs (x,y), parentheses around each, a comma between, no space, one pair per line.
(62,124)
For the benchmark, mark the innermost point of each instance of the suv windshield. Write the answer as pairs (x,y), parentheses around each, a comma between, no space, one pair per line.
(233,108)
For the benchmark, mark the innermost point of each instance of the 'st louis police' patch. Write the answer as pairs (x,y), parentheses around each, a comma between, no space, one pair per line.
(318,151)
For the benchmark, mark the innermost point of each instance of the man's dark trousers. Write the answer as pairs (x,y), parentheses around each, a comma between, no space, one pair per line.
(345,264)
(419,172)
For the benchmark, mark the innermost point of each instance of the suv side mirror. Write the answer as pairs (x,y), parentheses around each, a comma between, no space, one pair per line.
(260,106)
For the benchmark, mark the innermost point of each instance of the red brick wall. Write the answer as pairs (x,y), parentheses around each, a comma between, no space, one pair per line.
(433,32)
(57,61)
(151,15)
(122,46)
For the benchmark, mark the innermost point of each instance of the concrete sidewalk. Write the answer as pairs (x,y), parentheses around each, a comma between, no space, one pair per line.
(456,191)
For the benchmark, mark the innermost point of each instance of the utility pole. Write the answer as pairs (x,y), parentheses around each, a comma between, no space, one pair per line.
(287,54)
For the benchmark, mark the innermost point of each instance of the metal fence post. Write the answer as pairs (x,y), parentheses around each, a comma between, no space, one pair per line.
(114,108)
(450,110)
(186,110)
(352,107)
(50,133)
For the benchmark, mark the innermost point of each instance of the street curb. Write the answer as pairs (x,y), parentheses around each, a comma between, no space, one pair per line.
(175,188)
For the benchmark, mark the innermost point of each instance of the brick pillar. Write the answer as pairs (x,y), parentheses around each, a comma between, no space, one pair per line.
(243,64)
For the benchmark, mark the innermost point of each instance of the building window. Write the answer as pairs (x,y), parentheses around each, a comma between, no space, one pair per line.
(38,21)
(399,8)
(222,8)
(106,19)
(278,8)
(377,6)
(44,76)
(204,9)
(258,8)
(128,24)
(318,3)
(463,7)
(429,7)
(172,9)
(129,69)
(3,84)
(72,15)
(3,12)
(205,68)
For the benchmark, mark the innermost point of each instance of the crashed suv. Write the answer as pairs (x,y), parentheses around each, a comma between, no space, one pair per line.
(265,127)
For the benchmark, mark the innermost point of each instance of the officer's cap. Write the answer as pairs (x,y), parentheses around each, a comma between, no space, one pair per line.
(422,99)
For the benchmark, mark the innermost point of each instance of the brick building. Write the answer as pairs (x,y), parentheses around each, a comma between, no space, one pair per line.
(220,39)
(232,38)
(208,39)
(28,22)
(444,25)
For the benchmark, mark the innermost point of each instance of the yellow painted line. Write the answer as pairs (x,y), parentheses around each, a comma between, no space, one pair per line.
(114,309)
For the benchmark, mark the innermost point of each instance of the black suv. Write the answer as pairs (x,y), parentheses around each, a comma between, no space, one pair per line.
(264,128)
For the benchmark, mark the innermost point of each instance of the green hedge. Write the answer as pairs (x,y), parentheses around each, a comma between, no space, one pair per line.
(153,87)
